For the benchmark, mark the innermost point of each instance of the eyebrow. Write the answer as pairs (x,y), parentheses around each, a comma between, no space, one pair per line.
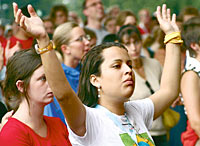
(119,60)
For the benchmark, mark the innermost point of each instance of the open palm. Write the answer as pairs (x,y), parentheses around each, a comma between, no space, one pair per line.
(167,24)
(33,25)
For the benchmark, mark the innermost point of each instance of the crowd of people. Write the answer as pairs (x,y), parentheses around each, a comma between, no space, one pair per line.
(106,81)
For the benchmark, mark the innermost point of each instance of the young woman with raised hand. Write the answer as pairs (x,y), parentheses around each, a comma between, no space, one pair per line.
(106,83)
(147,72)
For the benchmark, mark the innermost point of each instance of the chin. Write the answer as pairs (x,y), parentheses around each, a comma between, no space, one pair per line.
(50,100)
(129,94)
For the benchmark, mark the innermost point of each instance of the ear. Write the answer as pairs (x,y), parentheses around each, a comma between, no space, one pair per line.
(94,80)
(195,46)
(20,85)
(65,49)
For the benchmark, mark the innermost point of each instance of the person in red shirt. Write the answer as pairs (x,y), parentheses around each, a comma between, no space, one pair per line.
(20,38)
(27,92)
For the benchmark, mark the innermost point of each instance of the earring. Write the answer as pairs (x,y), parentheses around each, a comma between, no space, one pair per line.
(98,89)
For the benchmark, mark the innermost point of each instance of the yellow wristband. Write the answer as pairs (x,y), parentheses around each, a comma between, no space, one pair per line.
(174,37)
(45,49)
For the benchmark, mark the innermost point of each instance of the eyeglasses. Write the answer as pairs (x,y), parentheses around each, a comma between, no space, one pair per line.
(81,38)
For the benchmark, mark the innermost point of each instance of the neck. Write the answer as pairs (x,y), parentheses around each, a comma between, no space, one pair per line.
(94,23)
(198,57)
(71,62)
(137,63)
(114,107)
(33,117)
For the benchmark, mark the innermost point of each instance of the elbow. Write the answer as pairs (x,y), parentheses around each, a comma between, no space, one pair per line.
(173,93)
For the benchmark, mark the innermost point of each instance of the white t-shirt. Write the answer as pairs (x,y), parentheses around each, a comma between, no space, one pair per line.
(102,131)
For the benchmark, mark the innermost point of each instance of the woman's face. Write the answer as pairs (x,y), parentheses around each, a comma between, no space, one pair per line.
(130,20)
(133,45)
(117,79)
(79,44)
(111,26)
(38,89)
(60,17)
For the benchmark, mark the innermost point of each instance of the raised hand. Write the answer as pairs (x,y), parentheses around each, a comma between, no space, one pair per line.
(167,24)
(10,51)
(33,25)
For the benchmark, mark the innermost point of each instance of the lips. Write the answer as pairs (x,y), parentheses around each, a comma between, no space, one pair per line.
(128,81)
(50,94)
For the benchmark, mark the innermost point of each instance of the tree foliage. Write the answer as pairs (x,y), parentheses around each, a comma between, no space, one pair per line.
(76,5)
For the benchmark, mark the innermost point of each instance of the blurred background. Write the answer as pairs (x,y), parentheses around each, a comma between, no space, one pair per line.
(43,6)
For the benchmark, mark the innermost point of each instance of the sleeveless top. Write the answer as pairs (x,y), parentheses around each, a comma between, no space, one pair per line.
(189,137)
(192,64)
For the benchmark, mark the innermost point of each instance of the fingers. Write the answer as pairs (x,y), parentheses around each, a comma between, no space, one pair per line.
(22,22)
(158,13)
(15,8)
(6,116)
(31,11)
(174,18)
(168,15)
(18,16)
(164,11)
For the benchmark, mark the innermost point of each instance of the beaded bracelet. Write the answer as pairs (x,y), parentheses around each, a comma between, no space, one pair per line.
(174,37)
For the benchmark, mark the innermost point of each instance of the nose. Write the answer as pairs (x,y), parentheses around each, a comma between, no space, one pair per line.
(86,42)
(128,69)
(132,46)
(48,87)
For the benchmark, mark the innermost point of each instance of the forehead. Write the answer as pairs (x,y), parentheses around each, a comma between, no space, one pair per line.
(38,72)
(77,31)
(130,37)
(144,12)
(59,12)
(130,17)
(115,53)
(89,2)
(48,23)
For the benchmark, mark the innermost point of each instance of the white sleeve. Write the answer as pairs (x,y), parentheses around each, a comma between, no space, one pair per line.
(92,122)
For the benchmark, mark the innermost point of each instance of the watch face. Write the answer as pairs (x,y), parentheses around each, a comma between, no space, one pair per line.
(37,49)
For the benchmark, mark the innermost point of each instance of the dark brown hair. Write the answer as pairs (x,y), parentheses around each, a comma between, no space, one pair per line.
(91,64)
(19,67)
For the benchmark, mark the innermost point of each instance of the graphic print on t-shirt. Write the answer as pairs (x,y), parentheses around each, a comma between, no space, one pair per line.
(142,139)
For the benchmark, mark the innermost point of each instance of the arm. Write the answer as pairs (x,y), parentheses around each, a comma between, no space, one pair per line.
(72,108)
(190,85)
(169,86)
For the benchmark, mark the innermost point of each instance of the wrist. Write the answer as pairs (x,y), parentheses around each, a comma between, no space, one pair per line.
(45,49)
(169,32)
(43,40)
(173,37)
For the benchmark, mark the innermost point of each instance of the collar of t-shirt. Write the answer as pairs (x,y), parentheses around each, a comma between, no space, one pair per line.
(122,122)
